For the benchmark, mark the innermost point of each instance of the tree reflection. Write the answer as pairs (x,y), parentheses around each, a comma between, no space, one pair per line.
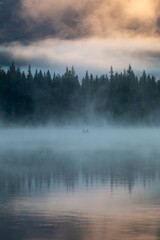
(43,170)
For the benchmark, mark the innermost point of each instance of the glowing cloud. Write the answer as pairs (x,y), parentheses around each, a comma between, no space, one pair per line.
(90,34)
(103,18)
(94,54)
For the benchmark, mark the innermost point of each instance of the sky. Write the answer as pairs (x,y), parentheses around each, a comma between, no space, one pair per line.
(88,34)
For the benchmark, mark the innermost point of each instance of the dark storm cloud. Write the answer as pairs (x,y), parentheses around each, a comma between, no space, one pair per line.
(10,27)
(14,28)
(15,25)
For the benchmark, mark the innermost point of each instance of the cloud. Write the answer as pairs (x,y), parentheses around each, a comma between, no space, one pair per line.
(31,20)
(93,54)
(66,19)
(72,19)
(90,34)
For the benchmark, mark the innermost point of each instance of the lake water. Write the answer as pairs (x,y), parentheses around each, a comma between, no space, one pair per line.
(64,184)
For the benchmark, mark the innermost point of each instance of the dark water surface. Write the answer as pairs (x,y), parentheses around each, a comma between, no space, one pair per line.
(64,185)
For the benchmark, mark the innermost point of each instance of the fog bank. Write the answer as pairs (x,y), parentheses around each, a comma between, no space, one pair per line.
(143,140)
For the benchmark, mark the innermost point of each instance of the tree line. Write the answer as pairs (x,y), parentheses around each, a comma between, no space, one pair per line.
(40,97)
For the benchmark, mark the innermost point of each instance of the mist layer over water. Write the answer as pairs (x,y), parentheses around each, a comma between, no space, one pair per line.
(78,139)
(67,183)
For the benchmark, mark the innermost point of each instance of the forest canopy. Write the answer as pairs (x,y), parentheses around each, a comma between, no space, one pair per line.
(27,97)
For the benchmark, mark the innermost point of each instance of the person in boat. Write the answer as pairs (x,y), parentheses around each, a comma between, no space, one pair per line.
(85,130)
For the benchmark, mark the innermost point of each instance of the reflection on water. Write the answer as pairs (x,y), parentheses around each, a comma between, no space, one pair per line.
(79,194)
(44,170)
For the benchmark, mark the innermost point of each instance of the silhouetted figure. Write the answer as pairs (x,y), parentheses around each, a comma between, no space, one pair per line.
(85,130)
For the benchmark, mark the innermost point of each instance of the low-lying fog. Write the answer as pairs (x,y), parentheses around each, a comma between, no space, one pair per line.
(141,139)
(74,155)
(73,182)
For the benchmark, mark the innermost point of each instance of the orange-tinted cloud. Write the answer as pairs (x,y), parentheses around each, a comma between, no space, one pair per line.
(90,34)
(103,18)
(94,54)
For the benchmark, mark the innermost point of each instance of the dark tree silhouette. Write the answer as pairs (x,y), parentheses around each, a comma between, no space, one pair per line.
(41,97)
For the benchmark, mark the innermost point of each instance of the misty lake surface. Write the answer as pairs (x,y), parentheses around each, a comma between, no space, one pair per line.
(63,184)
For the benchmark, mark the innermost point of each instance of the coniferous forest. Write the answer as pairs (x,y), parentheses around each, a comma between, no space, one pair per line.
(41,97)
